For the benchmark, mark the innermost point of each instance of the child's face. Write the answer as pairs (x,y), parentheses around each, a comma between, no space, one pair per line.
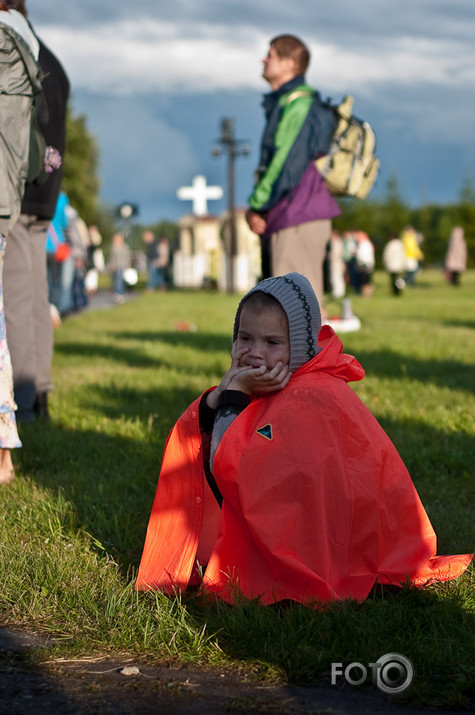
(266,335)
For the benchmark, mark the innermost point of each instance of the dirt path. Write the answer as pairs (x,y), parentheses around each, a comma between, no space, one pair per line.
(30,684)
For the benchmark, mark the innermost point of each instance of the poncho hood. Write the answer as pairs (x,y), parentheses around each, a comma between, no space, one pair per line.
(332,360)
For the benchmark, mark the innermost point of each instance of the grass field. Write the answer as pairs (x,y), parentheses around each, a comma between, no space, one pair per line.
(73,523)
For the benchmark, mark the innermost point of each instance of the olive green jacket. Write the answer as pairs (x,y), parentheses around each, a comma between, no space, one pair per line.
(20,81)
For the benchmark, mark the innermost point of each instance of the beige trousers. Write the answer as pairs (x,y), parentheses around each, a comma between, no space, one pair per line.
(301,249)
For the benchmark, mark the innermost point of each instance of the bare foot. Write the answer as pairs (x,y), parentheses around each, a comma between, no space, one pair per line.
(7,474)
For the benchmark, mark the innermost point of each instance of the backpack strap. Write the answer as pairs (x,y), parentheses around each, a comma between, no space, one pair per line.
(297,94)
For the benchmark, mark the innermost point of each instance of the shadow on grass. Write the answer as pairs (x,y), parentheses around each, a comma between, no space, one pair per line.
(135,356)
(443,373)
(454,323)
(123,355)
(110,481)
(206,342)
(159,407)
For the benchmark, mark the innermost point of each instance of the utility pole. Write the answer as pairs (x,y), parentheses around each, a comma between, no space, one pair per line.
(234,148)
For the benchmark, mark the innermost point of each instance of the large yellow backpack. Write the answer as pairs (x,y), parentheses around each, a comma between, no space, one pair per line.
(350,168)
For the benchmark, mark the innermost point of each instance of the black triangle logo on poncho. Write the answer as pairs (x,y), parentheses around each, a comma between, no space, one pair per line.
(265,431)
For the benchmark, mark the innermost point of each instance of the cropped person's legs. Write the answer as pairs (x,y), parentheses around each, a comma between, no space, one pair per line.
(18,296)
(8,430)
(43,326)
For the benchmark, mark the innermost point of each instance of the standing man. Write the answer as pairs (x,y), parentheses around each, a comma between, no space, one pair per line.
(27,309)
(151,253)
(163,262)
(291,207)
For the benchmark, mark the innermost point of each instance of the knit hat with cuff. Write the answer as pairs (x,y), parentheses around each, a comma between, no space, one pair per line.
(299,302)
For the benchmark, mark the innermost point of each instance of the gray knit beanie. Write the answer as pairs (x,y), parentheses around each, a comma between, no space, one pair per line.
(299,302)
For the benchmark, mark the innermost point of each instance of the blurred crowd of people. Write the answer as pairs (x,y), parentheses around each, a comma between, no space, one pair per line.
(350,264)
(403,259)
(123,262)
(74,260)
(350,261)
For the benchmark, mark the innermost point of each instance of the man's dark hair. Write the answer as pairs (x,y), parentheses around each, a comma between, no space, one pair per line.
(20,6)
(291,46)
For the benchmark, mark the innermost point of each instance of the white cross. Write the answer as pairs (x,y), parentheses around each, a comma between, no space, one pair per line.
(199,193)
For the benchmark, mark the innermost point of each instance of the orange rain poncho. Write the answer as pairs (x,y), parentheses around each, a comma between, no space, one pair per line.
(317,503)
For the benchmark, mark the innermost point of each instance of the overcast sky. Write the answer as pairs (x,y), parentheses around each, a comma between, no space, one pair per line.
(155,78)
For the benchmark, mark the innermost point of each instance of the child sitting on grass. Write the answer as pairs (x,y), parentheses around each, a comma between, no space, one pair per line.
(279,483)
